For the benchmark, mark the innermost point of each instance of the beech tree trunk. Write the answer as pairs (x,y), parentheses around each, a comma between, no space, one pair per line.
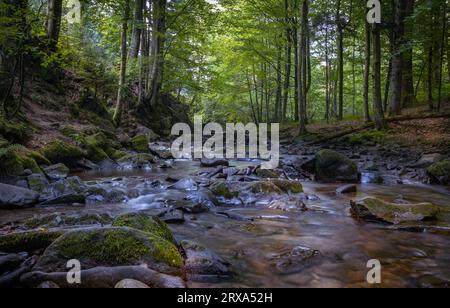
(376,78)
(367,56)
(54,14)
(136,34)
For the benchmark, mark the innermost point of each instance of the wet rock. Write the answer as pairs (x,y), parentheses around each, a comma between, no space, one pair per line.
(231,171)
(222,189)
(57,172)
(106,277)
(56,220)
(289,205)
(331,166)
(10,262)
(37,182)
(141,142)
(161,150)
(202,263)
(293,261)
(111,247)
(12,279)
(145,223)
(347,189)
(440,172)
(131,284)
(215,162)
(28,241)
(59,152)
(13,197)
(376,210)
(135,161)
(87,164)
(172,216)
(427,160)
(185,184)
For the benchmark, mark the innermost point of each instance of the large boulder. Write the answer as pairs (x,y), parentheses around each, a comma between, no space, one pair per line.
(376,210)
(27,241)
(15,159)
(331,166)
(60,152)
(142,142)
(16,197)
(95,247)
(57,172)
(161,150)
(145,223)
(440,172)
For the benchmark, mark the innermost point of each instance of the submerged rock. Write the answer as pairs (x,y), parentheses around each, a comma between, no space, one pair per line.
(111,247)
(376,210)
(185,184)
(331,166)
(12,197)
(293,261)
(203,264)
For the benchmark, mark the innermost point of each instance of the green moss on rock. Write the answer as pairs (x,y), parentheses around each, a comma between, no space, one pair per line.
(60,152)
(289,186)
(28,241)
(331,166)
(268,174)
(112,247)
(265,188)
(14,132)
(141,142)
(221,189)
(373,136)
(15,159)
(440,172)
(146,223)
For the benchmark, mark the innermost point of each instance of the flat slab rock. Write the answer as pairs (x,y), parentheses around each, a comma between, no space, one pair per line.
(13,197)
(376,210)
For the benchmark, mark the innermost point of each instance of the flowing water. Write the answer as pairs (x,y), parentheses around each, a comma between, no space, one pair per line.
(345,245)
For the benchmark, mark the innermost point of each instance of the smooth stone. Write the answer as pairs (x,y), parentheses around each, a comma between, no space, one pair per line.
(216,162)
(131,284)
(57,172)
(347,189)
(13,197)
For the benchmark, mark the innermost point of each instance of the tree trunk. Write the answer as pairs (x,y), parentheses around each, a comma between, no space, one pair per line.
(367,61)
(54,14)
(297,77)
(376,75)
(158,40)
(327,75)
(303,84)
(340,47)
(123,66)
(430,78)
(395,106)
(408,98)
(136,34)
(278,98)
(441,65)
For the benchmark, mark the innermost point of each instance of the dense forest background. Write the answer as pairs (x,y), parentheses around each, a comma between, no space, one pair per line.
(289,61)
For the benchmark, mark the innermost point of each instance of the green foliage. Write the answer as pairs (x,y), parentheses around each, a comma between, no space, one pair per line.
(368,137)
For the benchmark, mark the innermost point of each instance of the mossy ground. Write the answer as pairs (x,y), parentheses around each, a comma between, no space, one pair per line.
(440,169)
(27,241)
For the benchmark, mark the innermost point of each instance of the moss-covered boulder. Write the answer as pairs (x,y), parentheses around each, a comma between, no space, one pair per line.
(145,223)
(222,189)
(57,172)
(111,247)
(268,174)
(141,142)
(15,159)
(440,172)
(60,152)
(287,186)
(331,166)
(376,210)
(265,188)
(56,220)
(28,241)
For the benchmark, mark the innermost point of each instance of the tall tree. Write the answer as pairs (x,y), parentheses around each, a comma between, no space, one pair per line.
(158,40)
(138,26)
(288,58)
(54,14)
(303,60)
(367,56)
(408,98)
(376,78)
(123,64)
(340,47)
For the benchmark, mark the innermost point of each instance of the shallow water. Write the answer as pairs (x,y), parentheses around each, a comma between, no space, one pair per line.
(345,245)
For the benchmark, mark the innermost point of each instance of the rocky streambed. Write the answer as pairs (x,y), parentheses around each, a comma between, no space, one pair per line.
(150,221)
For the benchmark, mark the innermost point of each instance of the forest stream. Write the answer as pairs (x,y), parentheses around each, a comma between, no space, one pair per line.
(269,244)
